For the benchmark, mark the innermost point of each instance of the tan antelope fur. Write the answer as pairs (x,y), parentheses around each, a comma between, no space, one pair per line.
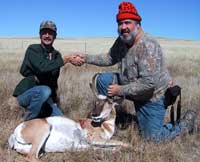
(58,134)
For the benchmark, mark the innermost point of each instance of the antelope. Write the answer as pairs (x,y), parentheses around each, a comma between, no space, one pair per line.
(58,133)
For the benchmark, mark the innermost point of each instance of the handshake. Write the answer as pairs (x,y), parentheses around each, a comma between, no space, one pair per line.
(75,59)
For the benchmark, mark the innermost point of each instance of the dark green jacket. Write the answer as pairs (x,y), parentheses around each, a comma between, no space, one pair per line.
(39,68)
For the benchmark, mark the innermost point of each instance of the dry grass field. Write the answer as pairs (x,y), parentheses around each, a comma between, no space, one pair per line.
(183,61)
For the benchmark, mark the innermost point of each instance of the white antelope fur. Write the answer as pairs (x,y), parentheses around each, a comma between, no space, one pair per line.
(58,134)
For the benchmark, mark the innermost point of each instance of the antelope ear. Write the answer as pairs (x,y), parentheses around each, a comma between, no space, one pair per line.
(116,105)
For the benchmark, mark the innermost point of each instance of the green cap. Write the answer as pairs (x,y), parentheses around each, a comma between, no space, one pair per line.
(48,24)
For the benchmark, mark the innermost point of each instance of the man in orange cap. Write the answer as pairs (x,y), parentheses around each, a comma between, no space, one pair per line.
(143,77)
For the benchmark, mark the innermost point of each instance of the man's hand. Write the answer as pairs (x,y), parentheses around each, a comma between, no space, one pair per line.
(114,90)
(75,59)
(66,59)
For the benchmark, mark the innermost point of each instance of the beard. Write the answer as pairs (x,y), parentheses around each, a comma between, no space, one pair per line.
(130,38)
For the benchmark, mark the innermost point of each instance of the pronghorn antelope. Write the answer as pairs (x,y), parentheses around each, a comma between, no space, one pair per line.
(57,134)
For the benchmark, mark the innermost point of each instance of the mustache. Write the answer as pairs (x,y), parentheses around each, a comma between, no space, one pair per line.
(124,31)
(47,38)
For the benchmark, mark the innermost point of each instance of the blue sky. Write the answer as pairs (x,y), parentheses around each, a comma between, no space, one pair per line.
(97,18)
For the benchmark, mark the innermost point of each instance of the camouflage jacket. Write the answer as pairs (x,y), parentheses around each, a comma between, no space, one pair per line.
(142,71)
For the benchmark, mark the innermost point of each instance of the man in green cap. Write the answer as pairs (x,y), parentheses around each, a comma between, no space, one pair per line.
(40,69)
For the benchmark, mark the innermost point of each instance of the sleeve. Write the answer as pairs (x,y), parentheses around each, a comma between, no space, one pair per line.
(100,59)
(148,62)
(38,63)
(115,54)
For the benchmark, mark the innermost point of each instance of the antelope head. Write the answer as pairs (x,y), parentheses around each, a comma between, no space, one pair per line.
(104,107)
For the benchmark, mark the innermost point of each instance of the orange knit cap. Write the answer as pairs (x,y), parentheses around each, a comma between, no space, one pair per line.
(127,11)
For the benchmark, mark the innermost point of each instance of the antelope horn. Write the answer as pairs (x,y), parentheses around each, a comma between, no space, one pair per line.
(93,85)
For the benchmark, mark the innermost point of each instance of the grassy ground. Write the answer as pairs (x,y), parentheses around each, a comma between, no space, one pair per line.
(183,60)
